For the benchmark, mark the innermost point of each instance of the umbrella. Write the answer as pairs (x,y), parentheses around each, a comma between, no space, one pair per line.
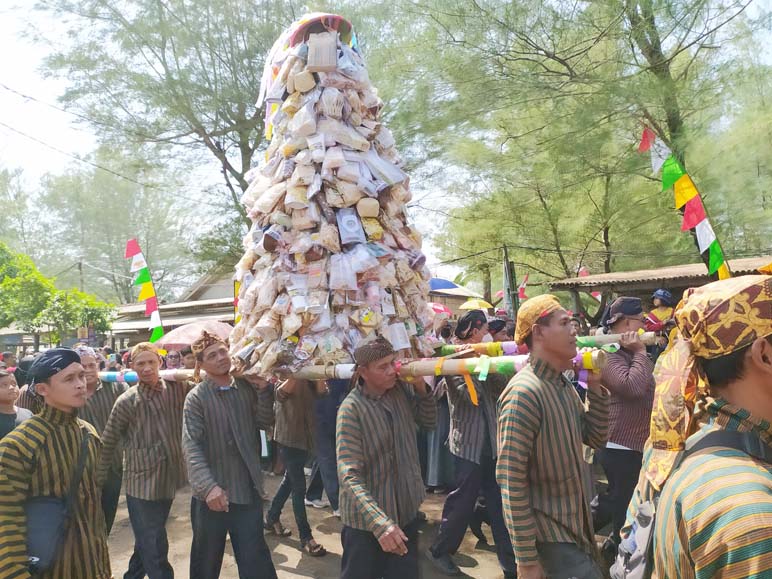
(447,287)
(475,305)
(440,308)
(184,336)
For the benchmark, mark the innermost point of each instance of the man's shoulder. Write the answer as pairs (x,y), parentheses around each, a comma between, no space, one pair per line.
(525,381)
(27,436)
(88,427)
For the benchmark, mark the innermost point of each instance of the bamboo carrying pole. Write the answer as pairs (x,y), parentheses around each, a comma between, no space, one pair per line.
(511,348)
(508,365)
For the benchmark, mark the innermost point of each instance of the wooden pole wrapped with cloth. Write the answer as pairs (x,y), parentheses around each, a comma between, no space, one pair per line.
(594,360)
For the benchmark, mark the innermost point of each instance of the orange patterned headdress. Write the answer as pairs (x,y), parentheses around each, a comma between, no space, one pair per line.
(711,321)
(530,312)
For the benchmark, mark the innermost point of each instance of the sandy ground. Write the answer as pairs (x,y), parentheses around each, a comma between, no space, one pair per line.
(287,557)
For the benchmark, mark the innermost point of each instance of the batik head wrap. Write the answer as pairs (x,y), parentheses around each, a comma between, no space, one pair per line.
(530,312)
(711,321)
(204,341)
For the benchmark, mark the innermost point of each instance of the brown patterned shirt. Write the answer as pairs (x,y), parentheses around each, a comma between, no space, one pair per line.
(221,439)
(148,421)
(98,408)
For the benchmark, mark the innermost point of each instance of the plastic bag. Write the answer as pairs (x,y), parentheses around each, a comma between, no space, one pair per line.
(267,294)
(350,193)
(361,259)
(383,169)
(368,207)
(296,198)
(303,124)
(342,274)
(281,304)
(328,238)
(269,199)
(343,134)
(348,172)
(315,186)
(331,103)
(290,324)
(316,146)
(372,228)
(350,227)
(303,175)
(334,158)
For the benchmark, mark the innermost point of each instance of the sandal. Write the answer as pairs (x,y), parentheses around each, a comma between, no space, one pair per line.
(314,549)
(277,529)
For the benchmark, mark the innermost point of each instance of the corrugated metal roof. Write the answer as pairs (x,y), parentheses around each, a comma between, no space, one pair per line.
(674,276)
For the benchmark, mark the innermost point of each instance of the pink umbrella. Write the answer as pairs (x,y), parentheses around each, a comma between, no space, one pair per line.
(440,308)
(184,336)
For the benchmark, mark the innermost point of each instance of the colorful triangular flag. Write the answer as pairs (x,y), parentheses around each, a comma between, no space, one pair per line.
(659,154)
(705,235)
(151,305)
(694,213)
(683,191)
(146,291)
(521,288)
(143,277)
(716,257)
(132,248)
(137,262)
(672,171)
(157,334)
(647,140)
(155,320)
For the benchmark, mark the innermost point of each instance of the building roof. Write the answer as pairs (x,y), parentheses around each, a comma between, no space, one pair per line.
(648,279)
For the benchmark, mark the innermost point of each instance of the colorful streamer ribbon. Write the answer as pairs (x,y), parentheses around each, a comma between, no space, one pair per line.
(146,288)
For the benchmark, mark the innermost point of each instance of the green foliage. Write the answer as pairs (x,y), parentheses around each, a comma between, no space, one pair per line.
(24,291)
(31,300)
(68,310)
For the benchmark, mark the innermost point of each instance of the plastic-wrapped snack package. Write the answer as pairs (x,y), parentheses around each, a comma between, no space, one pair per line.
(316,146)
(303,124)
(388,275)
(317,274)
(387,303)
(296,197)
(349,191)
(324,320)
(302,175)
(383,169)
(267,294)
(361,258)
(270,198)
(304,219)
(292,146)
(317,299)
(322,52)
(281,305)
(333,158)
(331,103)
(373,229)
(328,237)
(290,324)
(348,172)
(292,104)
(398,336)
(269,326)
(342,274)
(343,134)
(350,227)
(368,207)
(306,347)
(333,197)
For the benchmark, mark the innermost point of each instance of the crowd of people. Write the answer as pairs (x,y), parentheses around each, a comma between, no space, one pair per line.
(684,448)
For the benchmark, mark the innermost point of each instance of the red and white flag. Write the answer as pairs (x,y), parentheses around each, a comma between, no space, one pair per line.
(584,272)
(521,289)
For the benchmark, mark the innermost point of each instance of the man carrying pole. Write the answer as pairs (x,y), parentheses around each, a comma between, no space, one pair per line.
(221,444)
(381,487)
(542,425)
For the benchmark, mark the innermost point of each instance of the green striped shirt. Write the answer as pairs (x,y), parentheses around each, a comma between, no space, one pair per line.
(378,468)
(147,420)
(38,459)
(714,516)
(542,425)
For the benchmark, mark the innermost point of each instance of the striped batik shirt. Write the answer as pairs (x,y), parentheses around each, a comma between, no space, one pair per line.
(630,379)
(221,438)
(714,516)
(147,421)
(98,408)
(542,426)
(295,416)
(29,400)
(473,428)
(378,468)
(38,459)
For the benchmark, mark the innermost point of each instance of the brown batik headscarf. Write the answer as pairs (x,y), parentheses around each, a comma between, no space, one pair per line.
(711,321)
(202,343)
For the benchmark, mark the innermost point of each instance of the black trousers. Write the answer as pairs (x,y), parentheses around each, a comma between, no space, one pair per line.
(151,546)
(472,479)
(622,468)
(363,557)
(111,492)
(244,523)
